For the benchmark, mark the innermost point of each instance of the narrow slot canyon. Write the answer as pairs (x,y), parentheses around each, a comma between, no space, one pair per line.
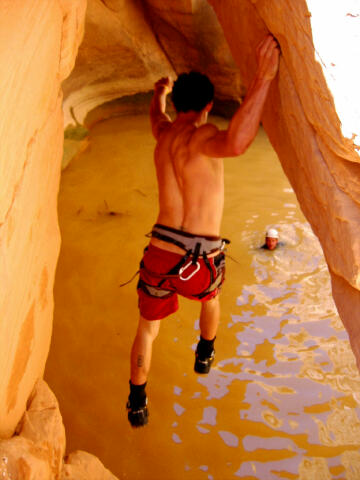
(283,395)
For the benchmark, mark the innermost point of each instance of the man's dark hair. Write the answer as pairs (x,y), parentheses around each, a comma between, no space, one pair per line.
(192,91)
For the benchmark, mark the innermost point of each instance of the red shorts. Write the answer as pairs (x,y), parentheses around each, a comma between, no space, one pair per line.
(157,262)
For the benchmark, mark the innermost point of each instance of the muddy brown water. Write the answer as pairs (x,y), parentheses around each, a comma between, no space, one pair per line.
(282,398)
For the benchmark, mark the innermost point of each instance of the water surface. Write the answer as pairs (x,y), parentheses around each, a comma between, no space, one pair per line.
(282,398)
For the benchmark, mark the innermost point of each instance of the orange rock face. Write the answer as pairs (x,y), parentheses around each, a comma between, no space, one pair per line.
(38,449)
(31,129)
(129,45)
(303,120)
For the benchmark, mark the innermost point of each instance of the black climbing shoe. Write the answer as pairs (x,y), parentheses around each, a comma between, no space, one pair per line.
(138,414)
(203,364)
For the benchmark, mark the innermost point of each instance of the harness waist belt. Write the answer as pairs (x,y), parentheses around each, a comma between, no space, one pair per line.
(196,244)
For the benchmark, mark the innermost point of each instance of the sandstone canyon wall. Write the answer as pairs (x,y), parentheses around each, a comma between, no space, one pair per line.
(128,45)
(39,41)
(306,121)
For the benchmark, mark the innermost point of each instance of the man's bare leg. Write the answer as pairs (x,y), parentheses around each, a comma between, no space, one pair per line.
(209,321)
(140,365)
(209,318)
(142,349)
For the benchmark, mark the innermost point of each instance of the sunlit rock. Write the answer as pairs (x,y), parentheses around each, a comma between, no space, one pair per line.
(312,119)
(119,56)
(37,450)
(129,45)
(192,38)
(83,466)
(31,131)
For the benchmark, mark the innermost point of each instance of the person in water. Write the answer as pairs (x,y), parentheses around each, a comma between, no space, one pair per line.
(185,254)
(272,239)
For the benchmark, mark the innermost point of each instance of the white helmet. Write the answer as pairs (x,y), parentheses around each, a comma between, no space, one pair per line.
(272,233)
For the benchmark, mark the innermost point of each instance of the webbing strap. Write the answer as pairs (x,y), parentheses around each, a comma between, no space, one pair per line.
(187,241)
(196,253)
(153,291)
(215,284)
(168,239)
(175,270)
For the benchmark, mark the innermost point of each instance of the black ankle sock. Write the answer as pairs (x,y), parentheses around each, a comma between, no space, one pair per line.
(137,395)
(205,347)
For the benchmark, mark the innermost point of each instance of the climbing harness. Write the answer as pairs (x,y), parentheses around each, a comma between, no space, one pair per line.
(194,246)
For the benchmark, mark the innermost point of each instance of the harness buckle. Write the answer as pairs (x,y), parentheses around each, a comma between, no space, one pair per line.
(185,267)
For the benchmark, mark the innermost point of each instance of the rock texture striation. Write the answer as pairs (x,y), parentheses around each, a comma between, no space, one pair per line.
(128,45)
(37,450)
(84,466)
(31,132)
(303,124)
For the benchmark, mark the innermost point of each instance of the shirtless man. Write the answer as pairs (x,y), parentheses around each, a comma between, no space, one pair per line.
(185,251)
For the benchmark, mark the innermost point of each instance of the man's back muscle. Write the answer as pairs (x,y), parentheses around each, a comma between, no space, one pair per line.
(190,184)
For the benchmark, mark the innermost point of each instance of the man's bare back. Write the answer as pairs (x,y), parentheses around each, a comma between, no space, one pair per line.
(191,185)
(189,152)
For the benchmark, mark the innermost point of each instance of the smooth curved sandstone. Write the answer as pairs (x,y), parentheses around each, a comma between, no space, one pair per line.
(119,56)
(304,127)
(84,466)
(37,450)
(129,45)
(31,131)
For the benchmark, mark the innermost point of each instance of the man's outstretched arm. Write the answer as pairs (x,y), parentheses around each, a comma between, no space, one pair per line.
(245,123)
(158,117)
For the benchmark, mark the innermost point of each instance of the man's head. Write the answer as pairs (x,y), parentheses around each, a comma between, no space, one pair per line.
(272,238)
(192,91)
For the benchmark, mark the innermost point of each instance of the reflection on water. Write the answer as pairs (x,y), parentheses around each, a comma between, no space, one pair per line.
(293,355)
(282,398)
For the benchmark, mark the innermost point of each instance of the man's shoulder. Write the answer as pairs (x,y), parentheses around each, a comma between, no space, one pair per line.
(162,126)
(207,129)
(203,134)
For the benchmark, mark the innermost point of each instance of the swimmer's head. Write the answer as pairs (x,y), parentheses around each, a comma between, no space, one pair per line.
(272,238)
(192,91)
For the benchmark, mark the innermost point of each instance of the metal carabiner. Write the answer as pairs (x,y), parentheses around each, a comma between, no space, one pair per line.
(182,270)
